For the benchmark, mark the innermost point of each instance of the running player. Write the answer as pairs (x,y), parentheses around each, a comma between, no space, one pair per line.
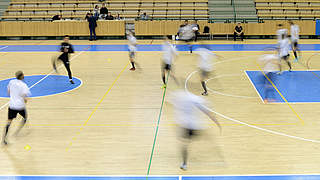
(169,54)
(270,64)
(281,31)
(18,92)
(294,31)
(186,33)
(284,50)
(66,49)
(132,44)
(206,66)
(186,106)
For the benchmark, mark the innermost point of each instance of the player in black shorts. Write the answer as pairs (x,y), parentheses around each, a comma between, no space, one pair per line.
(66,49)
(18,92)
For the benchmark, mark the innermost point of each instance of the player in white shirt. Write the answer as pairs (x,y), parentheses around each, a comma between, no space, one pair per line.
(281,31)
(186,33)
(132,45)
(169,54)
(294,31)
(284,50)
(186,107)
(18,92)
(206,58)
(271,65)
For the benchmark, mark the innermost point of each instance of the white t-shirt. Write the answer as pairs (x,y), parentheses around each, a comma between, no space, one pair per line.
(186,106)
(18,90)
(132,43)
(169,51)
(294,33)
(284,47)
(280,32)
(205,59)
(186,32)
(269,62)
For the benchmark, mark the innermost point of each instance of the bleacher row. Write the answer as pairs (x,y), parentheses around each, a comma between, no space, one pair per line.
(288,9)
(77,9)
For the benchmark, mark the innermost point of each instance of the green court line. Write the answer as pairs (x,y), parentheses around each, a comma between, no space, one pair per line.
(158,123)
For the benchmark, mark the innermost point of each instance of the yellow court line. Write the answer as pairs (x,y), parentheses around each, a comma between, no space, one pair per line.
(300,119)
(96,107)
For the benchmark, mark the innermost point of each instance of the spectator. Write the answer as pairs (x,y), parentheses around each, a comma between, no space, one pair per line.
(185,23)
(238,31)
(196,28)
(87,16)
(56,17)
(103,11)
(118,17)
(96,11)
(144,16)
(109,17)
(92,26)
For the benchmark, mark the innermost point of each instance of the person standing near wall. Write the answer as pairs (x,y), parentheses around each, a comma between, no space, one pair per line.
(92,27)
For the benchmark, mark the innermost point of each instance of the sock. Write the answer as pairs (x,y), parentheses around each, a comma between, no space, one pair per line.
(164,79)
(184,155)
(132,63)
(289,64)
(204,86)
(6,130)
(295,54)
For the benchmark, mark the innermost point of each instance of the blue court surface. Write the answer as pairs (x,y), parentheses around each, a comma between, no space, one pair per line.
(45,85)
(295,86)
(154,47)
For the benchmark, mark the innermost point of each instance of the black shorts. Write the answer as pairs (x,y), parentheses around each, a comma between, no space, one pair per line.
(286,57)
(166,66)
(189,133)
(205,74)
(64,57)
(13,113)
(132,54)
(295,44)
(187,40)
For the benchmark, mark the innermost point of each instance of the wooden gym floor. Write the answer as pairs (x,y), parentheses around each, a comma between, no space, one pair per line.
(107,126)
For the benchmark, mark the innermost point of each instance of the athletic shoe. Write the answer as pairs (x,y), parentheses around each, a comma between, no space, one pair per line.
(71,82)
(133,69)
(183,167)
(296,60)
(205,94)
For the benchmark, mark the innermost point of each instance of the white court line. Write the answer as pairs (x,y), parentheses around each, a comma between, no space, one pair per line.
(225,94)
(246,124)
(4,47)
(75,56)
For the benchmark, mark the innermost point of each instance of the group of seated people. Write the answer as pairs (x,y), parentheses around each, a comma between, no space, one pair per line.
(98,13)
(103,13)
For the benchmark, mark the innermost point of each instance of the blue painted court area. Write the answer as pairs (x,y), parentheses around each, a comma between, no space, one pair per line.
(280,177)
(45,85)
(87,178)
(295,86)
(153,47)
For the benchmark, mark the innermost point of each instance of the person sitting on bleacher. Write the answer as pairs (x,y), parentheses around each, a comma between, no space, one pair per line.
(118,17)
(144,16)
(56,17)
(96,11)
(103,11)
(109,16)
(238,31)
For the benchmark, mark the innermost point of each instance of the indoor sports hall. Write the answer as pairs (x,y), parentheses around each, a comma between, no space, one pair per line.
(113,122)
